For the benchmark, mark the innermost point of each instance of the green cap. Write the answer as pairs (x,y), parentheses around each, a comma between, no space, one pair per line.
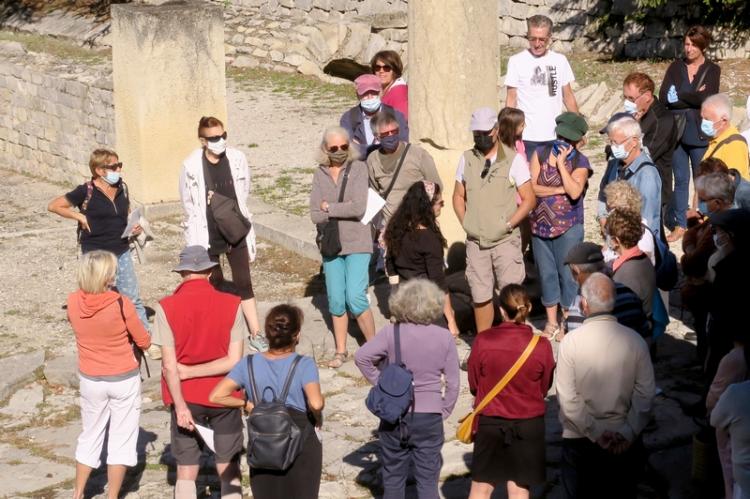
(571,126)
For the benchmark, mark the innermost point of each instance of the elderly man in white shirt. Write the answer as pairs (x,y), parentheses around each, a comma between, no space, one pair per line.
(605,388)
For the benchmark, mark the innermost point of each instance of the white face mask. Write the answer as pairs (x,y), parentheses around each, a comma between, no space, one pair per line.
(630,107)
(217,147)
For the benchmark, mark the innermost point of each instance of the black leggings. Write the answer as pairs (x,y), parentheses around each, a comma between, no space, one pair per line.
(239,261)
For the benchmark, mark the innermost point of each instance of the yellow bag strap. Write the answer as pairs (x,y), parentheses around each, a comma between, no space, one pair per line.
(508,376)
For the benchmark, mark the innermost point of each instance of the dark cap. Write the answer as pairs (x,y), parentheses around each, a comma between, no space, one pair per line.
(735,221)
(585,252)
(617,116)
(194,259)
(571,126)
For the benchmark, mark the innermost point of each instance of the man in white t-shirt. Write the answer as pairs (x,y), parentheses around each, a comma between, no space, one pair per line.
(489,178)
(538,82)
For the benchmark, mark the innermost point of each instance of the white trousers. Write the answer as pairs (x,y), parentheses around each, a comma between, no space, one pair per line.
(117,403)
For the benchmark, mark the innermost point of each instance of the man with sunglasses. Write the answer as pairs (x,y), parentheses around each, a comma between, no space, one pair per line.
(659,132)
(484,198)
(216,168)
(358,120)
(102,207)
(538,82)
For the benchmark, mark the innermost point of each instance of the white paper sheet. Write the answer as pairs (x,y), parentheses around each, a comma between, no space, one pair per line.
(207,434)
(375,203)
(133,218)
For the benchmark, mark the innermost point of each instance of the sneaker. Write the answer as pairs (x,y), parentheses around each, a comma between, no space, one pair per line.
(154,352)
(258,342)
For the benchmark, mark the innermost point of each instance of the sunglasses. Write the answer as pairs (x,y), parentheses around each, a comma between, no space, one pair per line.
(113,166)
(343,147)
(216,138)
(388,133)
(383,67)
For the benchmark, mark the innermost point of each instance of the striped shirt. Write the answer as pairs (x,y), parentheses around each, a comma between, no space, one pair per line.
(628,311)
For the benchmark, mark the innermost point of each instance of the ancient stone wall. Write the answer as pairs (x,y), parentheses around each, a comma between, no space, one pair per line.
(53,117)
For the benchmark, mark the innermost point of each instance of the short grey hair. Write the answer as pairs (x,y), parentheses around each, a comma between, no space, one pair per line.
(417,301)
(628,126)
(539,21)
(335,131)
(717,185)
(599,293)
(721,104)
(382,118)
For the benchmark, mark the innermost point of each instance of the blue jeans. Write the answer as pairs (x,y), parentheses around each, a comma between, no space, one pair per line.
(421,450)
(683,158)
(346,283)
(531,146)
(558,285)
(126,283)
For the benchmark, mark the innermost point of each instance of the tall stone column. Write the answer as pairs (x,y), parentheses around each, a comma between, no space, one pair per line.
(168,72)
(454,66)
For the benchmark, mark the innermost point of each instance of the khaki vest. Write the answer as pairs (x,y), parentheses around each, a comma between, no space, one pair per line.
(490,201)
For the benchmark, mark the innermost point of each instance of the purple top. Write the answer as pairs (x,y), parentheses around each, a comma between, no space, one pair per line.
(428,352)
(554,215)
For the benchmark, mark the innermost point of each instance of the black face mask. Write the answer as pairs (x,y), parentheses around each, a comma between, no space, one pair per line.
(483,143)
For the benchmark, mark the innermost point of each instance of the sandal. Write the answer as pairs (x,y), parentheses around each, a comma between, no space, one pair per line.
(338,360)
(553,332)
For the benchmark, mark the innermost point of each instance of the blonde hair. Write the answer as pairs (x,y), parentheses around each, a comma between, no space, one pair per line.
(99,158)
(620,194)
(96,271)
(337,131)
(417,301)
(516,303)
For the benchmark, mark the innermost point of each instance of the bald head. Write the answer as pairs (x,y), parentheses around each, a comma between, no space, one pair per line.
(599,294)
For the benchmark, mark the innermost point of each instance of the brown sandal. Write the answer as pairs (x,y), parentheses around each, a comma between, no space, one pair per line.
(338,360)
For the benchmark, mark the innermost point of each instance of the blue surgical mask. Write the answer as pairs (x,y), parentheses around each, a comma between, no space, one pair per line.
(619,152)
(111,177)
(370,105)
(559,145)
(630,107)
(707,127)
(389,143)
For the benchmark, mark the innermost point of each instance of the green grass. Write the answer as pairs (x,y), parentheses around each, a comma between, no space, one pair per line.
(63,49)
(291,83)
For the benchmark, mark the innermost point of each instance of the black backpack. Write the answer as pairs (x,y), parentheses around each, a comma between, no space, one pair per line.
(274,439)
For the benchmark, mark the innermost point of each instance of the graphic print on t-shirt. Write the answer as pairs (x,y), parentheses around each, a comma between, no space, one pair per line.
(547,77)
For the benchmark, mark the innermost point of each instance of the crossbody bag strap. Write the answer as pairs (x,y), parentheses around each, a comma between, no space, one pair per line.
(251,377)
(732,138)
(343,182)
(289,377)
(136,349)
(395,175)
(508,376)
(700,79)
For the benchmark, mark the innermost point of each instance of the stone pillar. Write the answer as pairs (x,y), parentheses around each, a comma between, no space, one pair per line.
(168,72)
(454,67)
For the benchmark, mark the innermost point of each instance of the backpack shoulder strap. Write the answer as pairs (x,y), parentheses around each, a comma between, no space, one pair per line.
(732,138)
(253,386)
(397,342)
(395,174)
(89,193)
(289,377)
(629,173)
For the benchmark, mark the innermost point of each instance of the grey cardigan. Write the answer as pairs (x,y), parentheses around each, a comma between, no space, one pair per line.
(355,236)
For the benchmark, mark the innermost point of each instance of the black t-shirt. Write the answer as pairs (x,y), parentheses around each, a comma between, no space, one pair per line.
(420,255)
(107,219)
(218,178)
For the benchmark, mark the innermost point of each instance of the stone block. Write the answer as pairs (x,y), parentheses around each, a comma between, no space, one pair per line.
(18,369)
(395,35)
(229,49)
(237,39)
(11,48)
(276,56)
(317,44)
(504,7)
(334,35)
(338,5)
(513,27)
(375,45)
(309,68)
(322,4)
(305,5)
(260,53)
(386,20)
(357,39)
(254,41)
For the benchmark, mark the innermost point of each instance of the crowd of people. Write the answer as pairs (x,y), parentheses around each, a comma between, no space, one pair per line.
(520,188)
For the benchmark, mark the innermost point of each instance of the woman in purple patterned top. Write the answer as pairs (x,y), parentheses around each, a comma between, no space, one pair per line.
(559,180)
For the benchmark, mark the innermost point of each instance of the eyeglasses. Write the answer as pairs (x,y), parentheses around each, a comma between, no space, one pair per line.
(613,143)
(383,67)
(486,169)
(388,133)
(534,39)
(343,147)
(216,138)
(113,166)
(633,99)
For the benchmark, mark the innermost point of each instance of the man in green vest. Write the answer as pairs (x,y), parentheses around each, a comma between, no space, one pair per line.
(489,178)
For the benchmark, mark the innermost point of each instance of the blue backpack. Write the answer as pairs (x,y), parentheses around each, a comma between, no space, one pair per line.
(392,397)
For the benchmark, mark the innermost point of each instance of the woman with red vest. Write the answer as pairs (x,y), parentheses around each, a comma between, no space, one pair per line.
(105,323)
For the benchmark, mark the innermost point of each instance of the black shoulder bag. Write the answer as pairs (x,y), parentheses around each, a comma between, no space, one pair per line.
(136,349)
(230,221)
(328,240)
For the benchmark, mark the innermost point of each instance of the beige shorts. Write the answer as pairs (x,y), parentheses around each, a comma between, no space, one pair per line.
(492,268)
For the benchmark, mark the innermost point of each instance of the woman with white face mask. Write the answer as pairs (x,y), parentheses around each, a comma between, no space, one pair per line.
(212,173)
(101,207)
